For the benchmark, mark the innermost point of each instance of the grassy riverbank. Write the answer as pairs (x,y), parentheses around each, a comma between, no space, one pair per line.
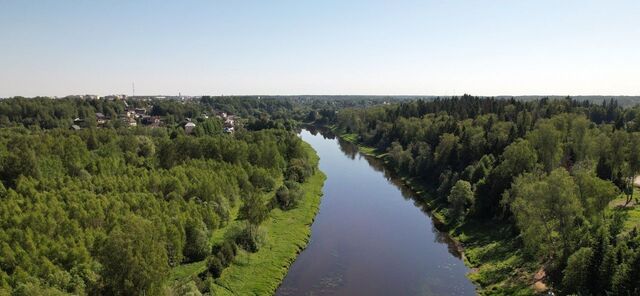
(498,266)
(286,234)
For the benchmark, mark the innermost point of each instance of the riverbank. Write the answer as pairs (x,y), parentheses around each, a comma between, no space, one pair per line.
(498,265)
(286,235)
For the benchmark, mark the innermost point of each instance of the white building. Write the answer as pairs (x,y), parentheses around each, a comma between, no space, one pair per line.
(188,128)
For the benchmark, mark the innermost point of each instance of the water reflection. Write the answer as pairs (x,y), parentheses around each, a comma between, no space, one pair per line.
(348,149)
(372,235)
(351,150)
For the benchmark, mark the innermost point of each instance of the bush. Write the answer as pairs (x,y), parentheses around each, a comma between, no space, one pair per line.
(189,289)
(249,239)
(228,251)
(223,259)
(299,170)
(283,198)
(223,254)
(197,242)
(214,266)
(227,247)
(288,196)
(261,179)
(234,247)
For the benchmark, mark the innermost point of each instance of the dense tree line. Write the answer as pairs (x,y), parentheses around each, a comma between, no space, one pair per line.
(285,112)
(111,210)
(548,167)
(48,113)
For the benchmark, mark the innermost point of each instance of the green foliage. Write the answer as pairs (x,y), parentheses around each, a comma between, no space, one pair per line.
(197,246)
(546,209)
(288,233)
(594,193)
(208,127)
(214,266)
(460,199)
(254,209)
(626,280)
(249,238)
(288,196)
(576,274)
(133,258)
(262,180)
(79,205)
(546,140)
(515,157)
(299,170)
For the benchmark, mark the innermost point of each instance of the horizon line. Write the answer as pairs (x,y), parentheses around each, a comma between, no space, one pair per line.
(328,95)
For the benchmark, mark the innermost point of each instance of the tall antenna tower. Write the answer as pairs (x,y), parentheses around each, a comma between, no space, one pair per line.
(133,89)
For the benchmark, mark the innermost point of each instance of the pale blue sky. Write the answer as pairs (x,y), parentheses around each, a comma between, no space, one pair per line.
(319,47)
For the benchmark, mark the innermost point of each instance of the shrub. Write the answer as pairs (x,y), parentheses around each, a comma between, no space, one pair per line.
(288,196)
(223,259)
(214,266)
(261,179)
(228,251)
(197,242)
(282,198)
(249,239)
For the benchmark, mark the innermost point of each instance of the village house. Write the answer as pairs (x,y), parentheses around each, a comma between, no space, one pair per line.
(188,128)
(153,121)
(130,121)
(101,118)
(140,111)
(114,97)
(230,120)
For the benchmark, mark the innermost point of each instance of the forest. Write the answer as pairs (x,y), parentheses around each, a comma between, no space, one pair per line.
(538,192)
(112,210)
(550,181)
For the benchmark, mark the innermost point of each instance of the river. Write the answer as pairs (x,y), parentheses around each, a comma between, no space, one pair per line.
(371,237)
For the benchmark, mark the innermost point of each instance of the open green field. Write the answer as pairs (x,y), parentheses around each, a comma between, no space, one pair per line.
(286,234)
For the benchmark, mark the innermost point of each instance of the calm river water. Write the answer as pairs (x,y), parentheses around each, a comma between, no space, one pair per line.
(370,236)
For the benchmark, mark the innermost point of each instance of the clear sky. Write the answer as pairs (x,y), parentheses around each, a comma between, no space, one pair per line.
(229,47)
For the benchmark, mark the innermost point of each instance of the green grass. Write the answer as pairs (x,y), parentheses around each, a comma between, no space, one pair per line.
(364,149)
(287,233)
(183,273)
(632,212)
(633,220)
(499,266)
